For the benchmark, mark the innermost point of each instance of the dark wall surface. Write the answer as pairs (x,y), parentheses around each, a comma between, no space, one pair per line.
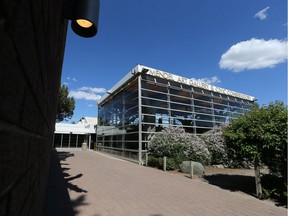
(32,41)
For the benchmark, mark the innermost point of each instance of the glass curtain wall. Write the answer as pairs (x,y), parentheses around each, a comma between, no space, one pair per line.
(118,123)
(162,102)
(166,102)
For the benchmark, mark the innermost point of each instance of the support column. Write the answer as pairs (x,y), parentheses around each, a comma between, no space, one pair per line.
(89,145)
(69,140)
(140,121)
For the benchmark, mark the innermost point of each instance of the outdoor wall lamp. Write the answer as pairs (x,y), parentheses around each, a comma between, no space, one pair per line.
(84,15)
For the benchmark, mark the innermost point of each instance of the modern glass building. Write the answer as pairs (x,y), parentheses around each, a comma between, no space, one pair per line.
(147,100)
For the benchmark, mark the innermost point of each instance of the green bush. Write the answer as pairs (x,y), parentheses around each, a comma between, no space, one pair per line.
(274,188)
(153,161)
(171,163)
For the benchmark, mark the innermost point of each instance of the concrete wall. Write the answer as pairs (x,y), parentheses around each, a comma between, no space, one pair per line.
(32,40)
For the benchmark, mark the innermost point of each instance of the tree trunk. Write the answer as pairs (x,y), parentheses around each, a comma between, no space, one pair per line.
(257,178)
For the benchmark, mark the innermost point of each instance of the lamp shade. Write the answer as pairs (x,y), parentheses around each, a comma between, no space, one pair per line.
(85,17)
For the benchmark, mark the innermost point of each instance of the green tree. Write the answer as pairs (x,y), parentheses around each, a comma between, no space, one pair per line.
(66,105)
(260,136)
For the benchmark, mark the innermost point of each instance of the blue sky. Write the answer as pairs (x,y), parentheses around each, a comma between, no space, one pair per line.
(240,45)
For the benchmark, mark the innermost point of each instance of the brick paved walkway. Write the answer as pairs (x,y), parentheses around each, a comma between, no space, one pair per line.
(100,185)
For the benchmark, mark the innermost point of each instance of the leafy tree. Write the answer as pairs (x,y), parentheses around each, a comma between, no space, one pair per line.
(260,136)
(66,105)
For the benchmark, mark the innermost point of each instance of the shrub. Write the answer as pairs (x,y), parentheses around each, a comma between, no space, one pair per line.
(171,163)
(153,161)
(176,144)
(216,145)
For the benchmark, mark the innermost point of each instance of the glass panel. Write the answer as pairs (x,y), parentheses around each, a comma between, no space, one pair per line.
(179,113)
(175,84)
(203,117)
(81,139)
(65,141)
(132,137)
(153,102)
(131,112)
(180,100)
(152,110)
(202,110)
(73,139)
(155,95)
(187,88)
(146,77)
(181,107)
(198,90)
(220,107)
(220,101)
(131,145)
(179,92)
(161,81)
(202,103)
(117,144)
(204,124)
(202,97)
(181,121)
(132,128)
(220,119)
(153,87)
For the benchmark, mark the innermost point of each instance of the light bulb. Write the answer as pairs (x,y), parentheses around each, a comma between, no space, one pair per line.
(84,23)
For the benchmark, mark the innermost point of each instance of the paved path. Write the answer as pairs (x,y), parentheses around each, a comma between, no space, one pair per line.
(100,185)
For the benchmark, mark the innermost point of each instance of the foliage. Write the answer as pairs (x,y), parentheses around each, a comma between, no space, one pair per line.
(66,105)
(273,188)
(171,163)
(175,143)
(153,161)
(216,145)
(262,134)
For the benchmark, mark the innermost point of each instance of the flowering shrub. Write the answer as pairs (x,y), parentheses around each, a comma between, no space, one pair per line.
(174,142)
(216,145)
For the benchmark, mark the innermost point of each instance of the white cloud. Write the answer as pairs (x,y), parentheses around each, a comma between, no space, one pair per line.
(261,15)
(91,105)
(96,90)
(210,81)
(254,54)
(71,78)
(87,93)
(84,95)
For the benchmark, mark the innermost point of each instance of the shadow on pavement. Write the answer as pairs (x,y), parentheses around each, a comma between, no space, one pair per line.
(58,201)
(73,186)
(57,198)
(64,155)
(81,199)
(233,183)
